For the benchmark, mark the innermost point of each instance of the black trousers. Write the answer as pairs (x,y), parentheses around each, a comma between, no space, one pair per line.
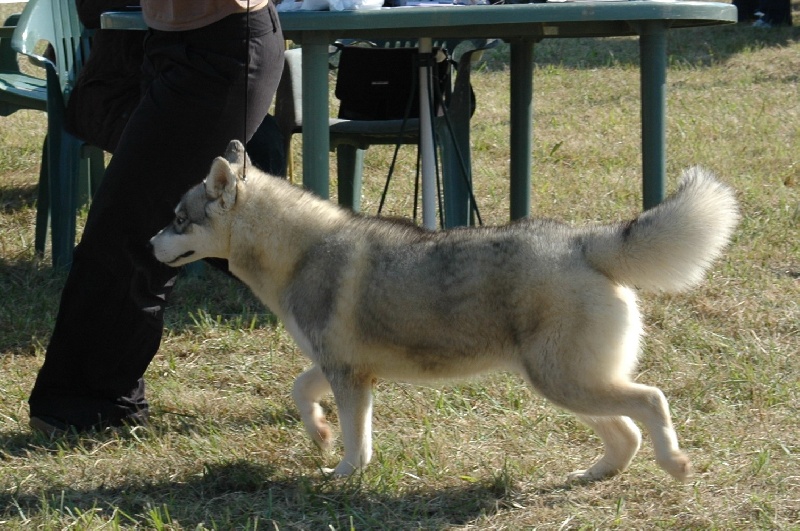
(110,319)
(776,12)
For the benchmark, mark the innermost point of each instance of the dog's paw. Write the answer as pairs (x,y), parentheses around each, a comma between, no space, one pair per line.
(603,468)
(589,475)
(678,466)
(342,470)
(580,476)
(322,436)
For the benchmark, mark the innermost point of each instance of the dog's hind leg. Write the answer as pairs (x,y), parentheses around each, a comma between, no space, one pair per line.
(621,440)
(649,406)
(582,362)
(642,403)
(353,394)
(309,388)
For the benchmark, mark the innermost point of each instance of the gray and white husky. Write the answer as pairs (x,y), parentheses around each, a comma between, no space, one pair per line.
(368,298)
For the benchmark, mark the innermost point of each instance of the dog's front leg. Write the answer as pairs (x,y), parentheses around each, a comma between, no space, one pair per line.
(309,388)
(353,395)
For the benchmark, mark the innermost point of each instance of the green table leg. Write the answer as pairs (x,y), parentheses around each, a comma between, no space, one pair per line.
(521,135)
(653,59)
(350,170)
(316,137)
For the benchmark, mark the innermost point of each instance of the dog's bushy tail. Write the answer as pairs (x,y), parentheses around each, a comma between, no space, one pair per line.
(669,247)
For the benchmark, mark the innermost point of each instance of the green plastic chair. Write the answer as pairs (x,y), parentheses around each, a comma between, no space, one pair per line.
(350,138)
(17,90)
(71,169)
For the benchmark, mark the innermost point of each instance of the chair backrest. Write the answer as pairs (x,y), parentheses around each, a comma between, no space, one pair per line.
(288,99)
(289,96)
(55,22)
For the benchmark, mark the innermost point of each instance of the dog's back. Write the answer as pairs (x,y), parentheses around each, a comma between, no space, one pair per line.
(449,299)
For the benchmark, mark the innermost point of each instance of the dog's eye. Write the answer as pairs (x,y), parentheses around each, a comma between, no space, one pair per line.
(180,222)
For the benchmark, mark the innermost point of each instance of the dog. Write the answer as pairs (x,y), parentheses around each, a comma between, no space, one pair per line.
(367,298)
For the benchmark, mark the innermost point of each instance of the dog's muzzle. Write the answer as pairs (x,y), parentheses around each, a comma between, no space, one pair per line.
(187,254)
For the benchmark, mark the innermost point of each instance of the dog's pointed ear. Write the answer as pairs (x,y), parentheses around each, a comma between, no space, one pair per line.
(236,154)
(221,183)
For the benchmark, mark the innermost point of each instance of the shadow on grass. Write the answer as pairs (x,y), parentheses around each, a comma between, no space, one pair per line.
(30,290)
(241,493)
(695,47)
(17,198)
(30,443)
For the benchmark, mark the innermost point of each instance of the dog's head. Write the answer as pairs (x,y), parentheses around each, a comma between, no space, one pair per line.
(201,228)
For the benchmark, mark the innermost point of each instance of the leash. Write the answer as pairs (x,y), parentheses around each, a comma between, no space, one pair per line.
(246,89)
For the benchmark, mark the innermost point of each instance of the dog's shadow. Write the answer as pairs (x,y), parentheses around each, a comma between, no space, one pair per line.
(238,492)
(241,493)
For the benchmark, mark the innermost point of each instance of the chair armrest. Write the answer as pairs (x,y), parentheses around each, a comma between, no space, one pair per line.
(26,37)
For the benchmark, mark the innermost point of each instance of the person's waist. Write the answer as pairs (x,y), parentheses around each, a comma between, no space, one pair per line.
(192,15)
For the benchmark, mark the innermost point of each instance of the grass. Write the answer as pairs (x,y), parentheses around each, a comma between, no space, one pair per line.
(226,449)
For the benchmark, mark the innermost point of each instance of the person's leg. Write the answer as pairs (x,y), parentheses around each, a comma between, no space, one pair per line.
(110,320)
(773,13)
(746,9)
(777,12)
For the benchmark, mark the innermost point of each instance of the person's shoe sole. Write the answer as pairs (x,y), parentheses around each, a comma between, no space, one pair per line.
(53,427)
(49,427)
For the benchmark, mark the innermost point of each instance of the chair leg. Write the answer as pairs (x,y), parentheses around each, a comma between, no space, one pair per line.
(42,203)
(83,182)
(97,167)
(350,175)
(88,163)
(287,148)
(64,156)
(456,176)
(456,155)
(92,168)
